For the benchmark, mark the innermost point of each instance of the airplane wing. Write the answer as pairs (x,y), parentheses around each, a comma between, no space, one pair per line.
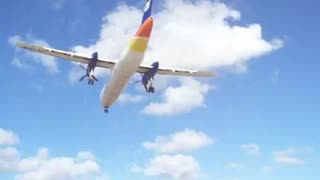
(108,63)
(66,55)
(176,72)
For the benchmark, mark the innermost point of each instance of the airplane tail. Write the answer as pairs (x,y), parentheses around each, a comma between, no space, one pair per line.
(147,11)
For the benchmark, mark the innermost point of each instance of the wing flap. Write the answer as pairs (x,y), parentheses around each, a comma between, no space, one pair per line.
(66,55)
(176,72)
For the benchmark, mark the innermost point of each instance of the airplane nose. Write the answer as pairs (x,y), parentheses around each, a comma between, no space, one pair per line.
(145,29)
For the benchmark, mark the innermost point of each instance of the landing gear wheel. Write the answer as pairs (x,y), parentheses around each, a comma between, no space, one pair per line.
(151,89)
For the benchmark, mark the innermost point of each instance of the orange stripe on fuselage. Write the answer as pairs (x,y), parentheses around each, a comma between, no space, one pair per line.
(139,42)
(145,29)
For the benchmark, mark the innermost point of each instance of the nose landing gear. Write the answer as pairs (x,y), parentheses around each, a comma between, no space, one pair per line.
(90,82)
(106,110)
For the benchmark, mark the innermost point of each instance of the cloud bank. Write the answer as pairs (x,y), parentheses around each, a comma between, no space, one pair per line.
(175,167)
(179,142)
(182,99)
(203,38)
(43,167)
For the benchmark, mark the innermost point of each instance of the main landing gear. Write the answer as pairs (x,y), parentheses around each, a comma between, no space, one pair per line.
(149,89)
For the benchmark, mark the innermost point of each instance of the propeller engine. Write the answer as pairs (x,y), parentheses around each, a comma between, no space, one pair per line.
(90,69)
(148,77)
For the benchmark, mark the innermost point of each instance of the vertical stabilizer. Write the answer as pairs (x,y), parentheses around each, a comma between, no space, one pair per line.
(147,11)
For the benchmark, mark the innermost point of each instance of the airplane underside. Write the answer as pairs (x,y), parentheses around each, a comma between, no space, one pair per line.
(120,77)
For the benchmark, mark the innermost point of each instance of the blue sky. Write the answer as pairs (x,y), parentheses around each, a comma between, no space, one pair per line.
(259,120)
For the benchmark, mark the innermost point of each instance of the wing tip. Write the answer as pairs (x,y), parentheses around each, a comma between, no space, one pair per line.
(207,74)
(212,74)
(25,45)
(20,44)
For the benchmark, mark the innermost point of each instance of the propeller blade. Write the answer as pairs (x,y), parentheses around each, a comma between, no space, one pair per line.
(82,78)
(82,67)
(135,82)
(95,78)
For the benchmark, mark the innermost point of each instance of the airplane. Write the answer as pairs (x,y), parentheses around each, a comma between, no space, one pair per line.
(126,67)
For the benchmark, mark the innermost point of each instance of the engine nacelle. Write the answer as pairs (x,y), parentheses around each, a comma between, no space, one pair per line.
(147,76)
(95,56)
(93,62)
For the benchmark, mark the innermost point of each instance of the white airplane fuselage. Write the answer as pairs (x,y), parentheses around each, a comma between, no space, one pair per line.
(127,65)
(121,75)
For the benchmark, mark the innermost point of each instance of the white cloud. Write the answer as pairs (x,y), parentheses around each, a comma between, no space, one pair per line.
(46,61)
(181,99)
(184,141)
(30,163)
(8,138)
(251,149)
(9,158)
(205,37)
(117,28)
(41,167)
(177,167)
(127,98)
(85,156)
(288,157)
(289,160)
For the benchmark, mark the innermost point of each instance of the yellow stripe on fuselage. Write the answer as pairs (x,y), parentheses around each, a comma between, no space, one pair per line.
(139,44)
